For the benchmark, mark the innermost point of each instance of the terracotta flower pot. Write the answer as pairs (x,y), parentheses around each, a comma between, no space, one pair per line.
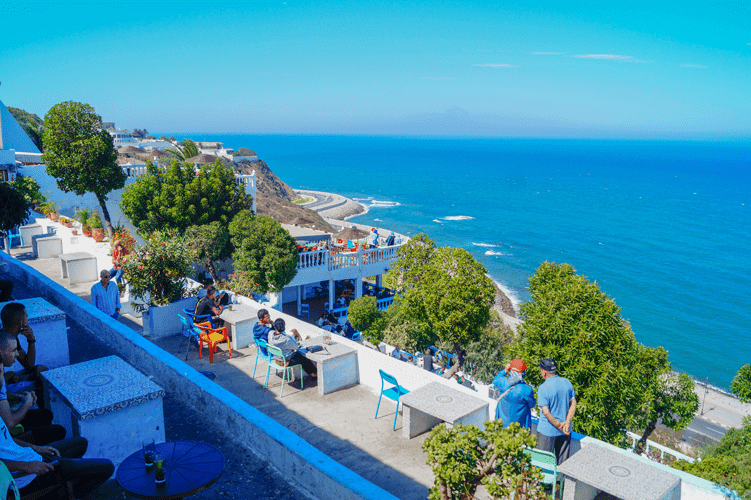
(68,223)
(98,234)
(75,232)
(86,231)
(54,216)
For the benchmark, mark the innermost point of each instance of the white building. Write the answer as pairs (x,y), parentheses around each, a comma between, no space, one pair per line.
(16,148)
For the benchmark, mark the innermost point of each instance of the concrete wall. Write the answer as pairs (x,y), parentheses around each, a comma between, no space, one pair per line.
(300,462)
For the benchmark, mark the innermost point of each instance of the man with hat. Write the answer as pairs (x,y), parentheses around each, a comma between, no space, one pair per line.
(557,402)
(517,398)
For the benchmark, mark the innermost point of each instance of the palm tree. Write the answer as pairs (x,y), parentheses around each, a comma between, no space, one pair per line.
(187,150)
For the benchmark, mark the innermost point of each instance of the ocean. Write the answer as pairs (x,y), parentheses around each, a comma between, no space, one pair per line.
(663,227)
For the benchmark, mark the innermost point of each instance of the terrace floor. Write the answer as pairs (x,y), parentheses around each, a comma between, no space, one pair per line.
(340,424)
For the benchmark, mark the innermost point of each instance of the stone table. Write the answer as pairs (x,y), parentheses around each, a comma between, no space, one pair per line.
(29,231)
(239,322)
(46,246)
(336,364)
(595,469)
(78,267)
(48,324)
(431,404)
(110,403)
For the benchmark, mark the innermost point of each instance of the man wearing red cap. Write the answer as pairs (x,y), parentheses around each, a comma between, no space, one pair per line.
(517,398)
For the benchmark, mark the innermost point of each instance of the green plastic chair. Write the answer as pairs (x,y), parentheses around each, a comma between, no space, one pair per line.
(7,481)
(547,462)
(277,362)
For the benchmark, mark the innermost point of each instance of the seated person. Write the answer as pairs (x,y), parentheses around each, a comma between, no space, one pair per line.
(86,474)
(327,326)
(207,306)
(321,320)
(37,422)
(262,329)
(222,297)
(349,331)
(118,252)
(463,381)
(398,354)
(331,318)
(289,347)
(16,322)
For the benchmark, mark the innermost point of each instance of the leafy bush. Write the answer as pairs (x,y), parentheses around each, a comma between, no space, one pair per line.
(728,463)
(14,210)
(485,355)
(29,189)
(364,316)
(128,240)
(464,457)
(741,385)
(94,222)
(82,216)
(157,271)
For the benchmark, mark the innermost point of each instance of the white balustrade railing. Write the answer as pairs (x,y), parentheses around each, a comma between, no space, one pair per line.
(249,181)
(349,259)
(312,259)
(663,449)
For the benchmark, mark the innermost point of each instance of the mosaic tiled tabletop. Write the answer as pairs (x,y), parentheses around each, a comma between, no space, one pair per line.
(443,402)
(102,386)
(39,310)
(615,473)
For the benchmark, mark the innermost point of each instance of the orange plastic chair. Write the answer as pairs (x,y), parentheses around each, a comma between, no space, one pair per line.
(212,336)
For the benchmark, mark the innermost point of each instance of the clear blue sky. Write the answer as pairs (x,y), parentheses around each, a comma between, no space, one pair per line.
(657,69)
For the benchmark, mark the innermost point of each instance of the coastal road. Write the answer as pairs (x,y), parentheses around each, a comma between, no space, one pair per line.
(702,432)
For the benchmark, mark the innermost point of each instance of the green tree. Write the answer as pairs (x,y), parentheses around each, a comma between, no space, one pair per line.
(80,155)
(140,133)
(485,355)
(668,398)
(574,322)
(403,330)
(264,250)
(187,149)
(31,124)
(364,316)
(211,244)
(29,189)
(14,210)
(741,384)
(464,457)
(156,271)
(728,463)
(444,287)
(178,197)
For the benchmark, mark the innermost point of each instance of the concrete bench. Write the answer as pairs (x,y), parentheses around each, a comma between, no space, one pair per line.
(46,246)
(29,231)
(78,267)
(110,403)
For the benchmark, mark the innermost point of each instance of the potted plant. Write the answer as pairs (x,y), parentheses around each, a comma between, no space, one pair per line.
(67,222)
(49,209)
(82,216)
(156,274)
(97,231)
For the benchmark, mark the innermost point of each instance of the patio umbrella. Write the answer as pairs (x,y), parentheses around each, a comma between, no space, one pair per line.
(351,233)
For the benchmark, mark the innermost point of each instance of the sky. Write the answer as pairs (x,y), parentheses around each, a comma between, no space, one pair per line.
(587,69)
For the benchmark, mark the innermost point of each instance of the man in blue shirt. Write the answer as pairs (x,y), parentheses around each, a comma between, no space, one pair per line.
(105,296)
(262,328)
(517,398)
(557,402)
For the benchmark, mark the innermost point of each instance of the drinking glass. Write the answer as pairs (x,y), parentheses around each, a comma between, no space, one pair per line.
(158,469)
(149,450)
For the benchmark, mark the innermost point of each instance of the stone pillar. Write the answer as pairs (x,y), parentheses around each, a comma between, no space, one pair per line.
(299,299)
(379,280)
(332,292)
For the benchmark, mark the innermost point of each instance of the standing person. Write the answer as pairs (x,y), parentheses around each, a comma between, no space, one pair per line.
(427,359)
(557,402)
(105,296)
(289,347)
(118,252)
(373,238)
(262,329)
(517,398)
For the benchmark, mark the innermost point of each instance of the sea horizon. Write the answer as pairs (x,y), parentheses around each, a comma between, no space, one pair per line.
(660,225)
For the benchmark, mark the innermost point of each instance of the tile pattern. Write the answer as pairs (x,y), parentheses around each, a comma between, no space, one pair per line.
(39,310)
(102,386)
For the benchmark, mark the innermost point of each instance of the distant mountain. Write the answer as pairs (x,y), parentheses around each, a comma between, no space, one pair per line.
(31,124)
(275,197)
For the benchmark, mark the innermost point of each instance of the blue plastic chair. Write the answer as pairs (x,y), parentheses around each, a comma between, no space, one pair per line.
(259,354)
(7,482)
(305,309)
(12,235)
(278,362)
(190,331)
(199,319)
(393,393)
